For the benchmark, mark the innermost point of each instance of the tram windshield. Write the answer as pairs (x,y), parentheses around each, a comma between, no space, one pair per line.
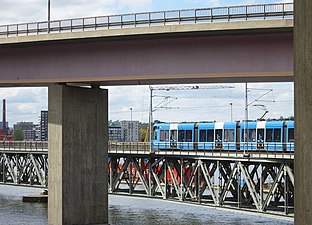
(291,136)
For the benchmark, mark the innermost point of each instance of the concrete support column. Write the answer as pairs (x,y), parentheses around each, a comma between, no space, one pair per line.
(303,111)
(78,156)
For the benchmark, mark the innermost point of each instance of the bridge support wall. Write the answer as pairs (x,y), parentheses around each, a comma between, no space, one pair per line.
(77,155)
(303,108)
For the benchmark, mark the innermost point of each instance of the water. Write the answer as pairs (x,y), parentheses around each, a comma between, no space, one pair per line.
(125,210)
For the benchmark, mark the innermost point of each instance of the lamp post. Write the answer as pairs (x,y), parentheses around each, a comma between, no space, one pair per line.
(231,105)
(131,125)
(49,15)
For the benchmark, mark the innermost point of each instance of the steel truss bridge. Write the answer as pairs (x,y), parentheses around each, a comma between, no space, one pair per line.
(253,180)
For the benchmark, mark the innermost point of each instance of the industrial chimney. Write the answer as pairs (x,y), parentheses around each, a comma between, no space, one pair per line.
(3,117)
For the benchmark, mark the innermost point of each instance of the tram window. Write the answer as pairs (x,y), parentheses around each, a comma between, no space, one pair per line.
(260,135)
(189,136)
(226,135)
(166,135)
(173,135)
(291,137)
(218,136)
(277,135)
(252,135)
(268,136)
(181,136)
(202,135)
(210,134)
(155,134)
(229,135)
(162,135)
(244,136)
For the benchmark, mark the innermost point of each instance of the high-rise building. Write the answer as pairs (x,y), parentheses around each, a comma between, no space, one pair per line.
(44,125)
(28,129)
(129,131)
(114,133)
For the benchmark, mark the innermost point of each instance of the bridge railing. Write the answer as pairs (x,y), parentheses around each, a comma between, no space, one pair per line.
(273,150)
(146,19)
(24,145)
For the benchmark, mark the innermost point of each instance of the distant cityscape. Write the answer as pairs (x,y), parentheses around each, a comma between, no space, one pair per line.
(120,131)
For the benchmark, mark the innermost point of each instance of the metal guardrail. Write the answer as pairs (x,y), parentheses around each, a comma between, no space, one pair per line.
(24,146)
(146,19)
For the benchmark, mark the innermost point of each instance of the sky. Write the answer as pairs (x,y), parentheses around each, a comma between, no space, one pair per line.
(25,104)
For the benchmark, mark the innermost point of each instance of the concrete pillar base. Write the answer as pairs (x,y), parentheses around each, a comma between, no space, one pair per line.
(77,145)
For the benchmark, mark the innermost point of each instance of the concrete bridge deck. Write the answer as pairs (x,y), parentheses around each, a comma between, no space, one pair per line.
(132,49)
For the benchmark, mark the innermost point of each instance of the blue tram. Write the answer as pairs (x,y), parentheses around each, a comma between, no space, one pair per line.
(230,136)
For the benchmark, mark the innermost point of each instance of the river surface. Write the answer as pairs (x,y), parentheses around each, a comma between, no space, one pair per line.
(125,210)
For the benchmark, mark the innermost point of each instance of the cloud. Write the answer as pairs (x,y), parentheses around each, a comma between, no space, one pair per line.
(25,104)
(203,104)
(21,11)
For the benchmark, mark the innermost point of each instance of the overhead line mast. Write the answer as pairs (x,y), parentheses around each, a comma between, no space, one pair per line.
(175,88)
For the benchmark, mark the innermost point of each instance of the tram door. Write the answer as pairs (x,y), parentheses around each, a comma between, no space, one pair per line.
(173,135)
(218,138)
(260,134)
(260,138)
(195,141)
(219,135)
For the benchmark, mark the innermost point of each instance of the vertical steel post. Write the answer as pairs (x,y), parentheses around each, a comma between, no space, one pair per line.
(198,184)
(285,192)
(238,186)
(130,178)
(111,175)
(150,176)
(181,180)
(3,169)
(261,186)
(166,182)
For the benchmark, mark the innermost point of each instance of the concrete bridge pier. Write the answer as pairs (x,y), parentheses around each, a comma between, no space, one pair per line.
(78,155)
(303,111)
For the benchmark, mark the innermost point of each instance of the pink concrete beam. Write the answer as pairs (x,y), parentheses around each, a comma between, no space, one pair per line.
(222,58)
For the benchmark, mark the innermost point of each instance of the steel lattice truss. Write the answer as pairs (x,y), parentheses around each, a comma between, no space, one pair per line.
(24,168)
(261,186)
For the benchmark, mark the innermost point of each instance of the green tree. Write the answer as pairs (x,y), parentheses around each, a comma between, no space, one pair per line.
(18,135)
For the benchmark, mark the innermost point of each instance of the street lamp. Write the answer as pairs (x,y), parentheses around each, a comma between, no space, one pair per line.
(131,130)
(231,105)
(49,15)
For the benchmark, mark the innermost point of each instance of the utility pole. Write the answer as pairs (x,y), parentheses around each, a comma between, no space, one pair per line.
(246,120)
(131,126)
(246,135)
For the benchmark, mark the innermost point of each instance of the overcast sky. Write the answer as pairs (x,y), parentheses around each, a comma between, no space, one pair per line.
(25,104)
